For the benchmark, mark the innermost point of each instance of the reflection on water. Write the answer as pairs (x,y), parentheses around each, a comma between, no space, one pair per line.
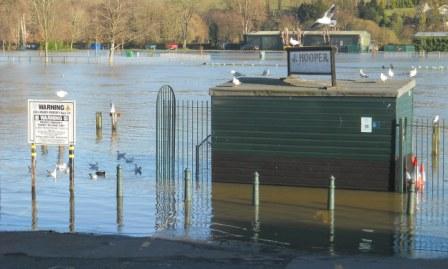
(366,222)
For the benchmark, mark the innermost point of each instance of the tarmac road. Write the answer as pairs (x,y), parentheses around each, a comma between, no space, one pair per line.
(46,249)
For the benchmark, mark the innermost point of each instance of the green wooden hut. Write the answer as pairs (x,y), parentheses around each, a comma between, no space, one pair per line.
(299,133)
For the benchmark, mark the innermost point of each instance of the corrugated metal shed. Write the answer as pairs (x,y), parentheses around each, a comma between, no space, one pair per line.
(298,132)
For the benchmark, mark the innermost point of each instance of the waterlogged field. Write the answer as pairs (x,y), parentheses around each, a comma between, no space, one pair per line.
(364,222)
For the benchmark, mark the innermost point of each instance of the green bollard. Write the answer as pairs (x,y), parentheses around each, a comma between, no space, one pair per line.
(330,201)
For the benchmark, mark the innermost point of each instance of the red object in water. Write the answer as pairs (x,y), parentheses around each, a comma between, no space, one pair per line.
(171,46)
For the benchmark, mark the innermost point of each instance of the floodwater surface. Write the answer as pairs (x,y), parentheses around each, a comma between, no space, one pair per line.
(363,222)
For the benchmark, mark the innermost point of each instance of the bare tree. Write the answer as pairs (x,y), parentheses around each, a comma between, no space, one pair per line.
(113,19)
(186,8)
(250,12)
(44,11)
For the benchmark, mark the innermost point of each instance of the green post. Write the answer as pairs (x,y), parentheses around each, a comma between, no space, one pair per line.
(330,200)
(411,199)
(255,190)
(119,182)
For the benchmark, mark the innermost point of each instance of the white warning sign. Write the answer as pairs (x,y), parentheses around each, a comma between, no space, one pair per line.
(51,122)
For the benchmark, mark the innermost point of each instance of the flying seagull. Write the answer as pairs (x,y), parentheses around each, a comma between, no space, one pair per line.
(327,18)
(137,169)
(236,81)
(61,93)
(121,155)
(52,173)
(383,77)
(362,74)
(413,72)
(94,166)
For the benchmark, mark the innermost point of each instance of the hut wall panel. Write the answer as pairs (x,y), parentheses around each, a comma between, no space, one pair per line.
(302,140)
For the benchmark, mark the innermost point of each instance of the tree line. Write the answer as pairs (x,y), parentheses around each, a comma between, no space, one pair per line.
(61,24)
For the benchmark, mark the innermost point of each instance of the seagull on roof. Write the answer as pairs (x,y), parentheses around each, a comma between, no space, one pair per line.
(236,74)
(413,72)
(390,73)
(293,42)
(362,74)
(236,81)
(266,72)
(327,18)
(61,93)
(383,77)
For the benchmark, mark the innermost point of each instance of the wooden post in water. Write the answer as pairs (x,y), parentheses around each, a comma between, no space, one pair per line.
(330,200)
(99,125)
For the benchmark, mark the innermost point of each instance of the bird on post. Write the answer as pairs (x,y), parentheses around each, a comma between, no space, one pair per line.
(293,42)
(112,109)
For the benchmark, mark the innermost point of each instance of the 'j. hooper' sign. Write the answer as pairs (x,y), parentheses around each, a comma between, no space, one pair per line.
(312,61)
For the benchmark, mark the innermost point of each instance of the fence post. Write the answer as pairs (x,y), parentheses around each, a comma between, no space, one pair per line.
(187,197)
(435,141)
(330,199)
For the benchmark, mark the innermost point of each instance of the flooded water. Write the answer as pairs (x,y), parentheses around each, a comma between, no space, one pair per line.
(363,222)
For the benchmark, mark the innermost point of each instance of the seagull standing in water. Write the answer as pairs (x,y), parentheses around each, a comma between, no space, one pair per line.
(383,77)
(362,74)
